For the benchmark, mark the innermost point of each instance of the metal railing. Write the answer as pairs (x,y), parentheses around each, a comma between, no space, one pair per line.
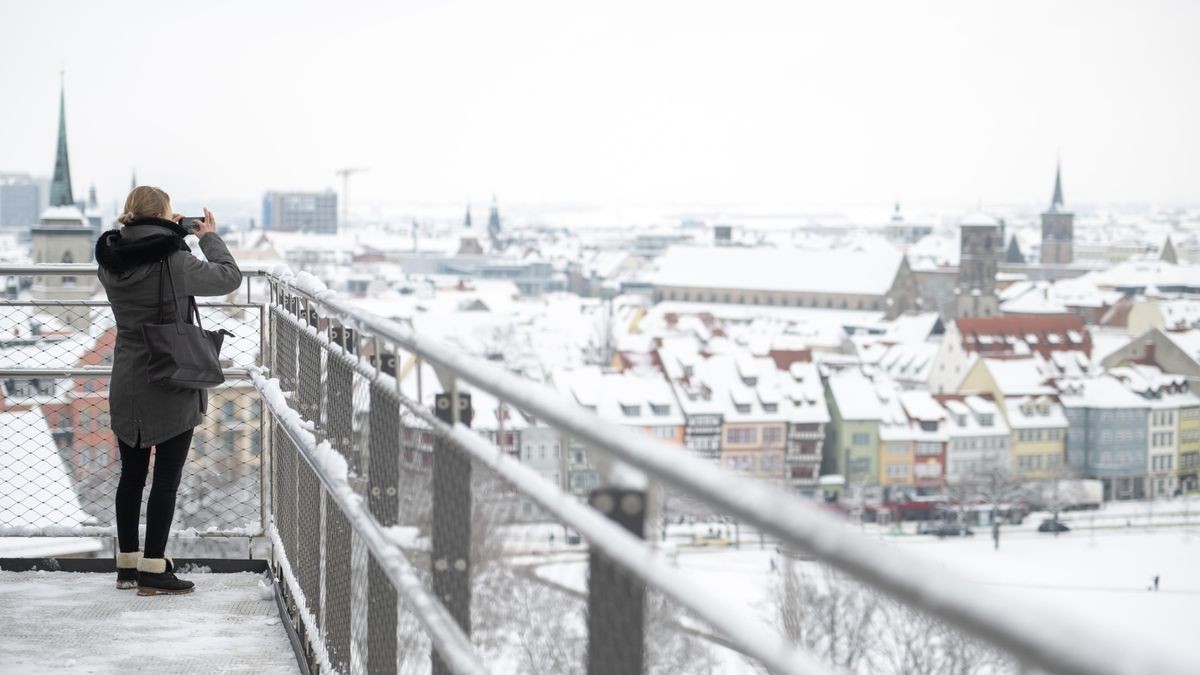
(404,539)
(60,462)
(459,496)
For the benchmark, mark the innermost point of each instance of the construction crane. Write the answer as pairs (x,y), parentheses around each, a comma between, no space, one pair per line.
(345,175)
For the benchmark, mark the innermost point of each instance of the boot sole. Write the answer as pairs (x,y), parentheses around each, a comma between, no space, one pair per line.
(146,591)
(126,585)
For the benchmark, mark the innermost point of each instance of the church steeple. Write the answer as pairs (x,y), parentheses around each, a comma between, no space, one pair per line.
(1056,202)
(60,188)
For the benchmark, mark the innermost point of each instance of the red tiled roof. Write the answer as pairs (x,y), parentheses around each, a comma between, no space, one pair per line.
(1043,333)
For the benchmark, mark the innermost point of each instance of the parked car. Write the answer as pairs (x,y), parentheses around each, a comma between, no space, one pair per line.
(952,530)
(928,526)
(710,540)
(1052,525)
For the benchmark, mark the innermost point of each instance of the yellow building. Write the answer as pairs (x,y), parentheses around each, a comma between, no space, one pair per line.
(896,458)
(1039,435)
(1036,418)
(1189,448)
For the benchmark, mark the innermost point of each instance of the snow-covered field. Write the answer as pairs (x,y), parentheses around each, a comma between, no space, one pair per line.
(1099,578)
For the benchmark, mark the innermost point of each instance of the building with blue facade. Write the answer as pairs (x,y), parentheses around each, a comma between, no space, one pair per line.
(1107,434)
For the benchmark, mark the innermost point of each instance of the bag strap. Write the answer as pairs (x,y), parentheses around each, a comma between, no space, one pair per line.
(192,309)
(162,300)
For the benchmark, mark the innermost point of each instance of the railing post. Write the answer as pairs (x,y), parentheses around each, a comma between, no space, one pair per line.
(616,601)
(452,518)
(337,551)
(309,493)
(383,480)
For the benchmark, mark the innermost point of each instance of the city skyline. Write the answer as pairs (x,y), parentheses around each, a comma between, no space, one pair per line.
(670,110)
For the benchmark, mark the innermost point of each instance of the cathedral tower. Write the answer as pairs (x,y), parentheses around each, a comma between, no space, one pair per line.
(1058,228)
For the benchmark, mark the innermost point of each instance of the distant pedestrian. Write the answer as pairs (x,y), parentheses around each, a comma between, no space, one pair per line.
(551,538)
(1155,582)
(772,560)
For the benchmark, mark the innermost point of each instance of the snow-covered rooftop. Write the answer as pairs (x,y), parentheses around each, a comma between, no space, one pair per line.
(781,269)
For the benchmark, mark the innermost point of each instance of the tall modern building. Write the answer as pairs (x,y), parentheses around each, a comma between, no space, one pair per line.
(978,253)
(63,236)
(1058,228)
(18,200)
(300,212)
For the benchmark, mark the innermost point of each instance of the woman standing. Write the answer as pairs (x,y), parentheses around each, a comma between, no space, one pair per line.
(146,414)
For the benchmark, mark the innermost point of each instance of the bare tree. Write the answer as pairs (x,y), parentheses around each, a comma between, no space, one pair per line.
(827,614)
(860,630)
(995,486)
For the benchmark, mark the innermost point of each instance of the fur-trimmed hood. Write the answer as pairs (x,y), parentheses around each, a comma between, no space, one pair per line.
(120,250)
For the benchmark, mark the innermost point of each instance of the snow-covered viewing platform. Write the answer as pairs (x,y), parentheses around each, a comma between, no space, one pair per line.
(80,623)
(408,505)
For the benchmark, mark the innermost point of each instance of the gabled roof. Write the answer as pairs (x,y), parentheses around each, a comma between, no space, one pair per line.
(999,336)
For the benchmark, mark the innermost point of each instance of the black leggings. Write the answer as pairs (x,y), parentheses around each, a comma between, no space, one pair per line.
(169,457)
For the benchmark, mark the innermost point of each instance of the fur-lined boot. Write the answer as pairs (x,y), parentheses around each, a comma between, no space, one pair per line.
(156,576)
(127,569)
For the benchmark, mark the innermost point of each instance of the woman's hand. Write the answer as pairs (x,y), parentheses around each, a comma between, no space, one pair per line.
(203,227)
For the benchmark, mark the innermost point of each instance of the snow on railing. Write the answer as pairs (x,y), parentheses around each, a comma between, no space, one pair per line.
(331,469)
(1052,643)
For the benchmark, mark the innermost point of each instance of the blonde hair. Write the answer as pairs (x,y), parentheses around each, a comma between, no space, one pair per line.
(145,202)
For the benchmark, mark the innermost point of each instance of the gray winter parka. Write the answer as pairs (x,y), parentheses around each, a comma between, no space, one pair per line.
(145,413)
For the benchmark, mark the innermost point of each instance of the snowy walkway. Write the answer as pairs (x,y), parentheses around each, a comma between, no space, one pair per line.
(80,623)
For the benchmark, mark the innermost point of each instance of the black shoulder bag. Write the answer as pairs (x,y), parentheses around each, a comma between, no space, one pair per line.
(182,354)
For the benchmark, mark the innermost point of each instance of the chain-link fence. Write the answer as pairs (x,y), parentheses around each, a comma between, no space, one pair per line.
(59,459)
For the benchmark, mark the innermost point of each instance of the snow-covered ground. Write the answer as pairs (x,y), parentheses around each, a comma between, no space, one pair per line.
(80,623)
(1099,578)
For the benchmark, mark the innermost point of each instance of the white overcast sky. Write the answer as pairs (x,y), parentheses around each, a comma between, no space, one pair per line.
(790,105)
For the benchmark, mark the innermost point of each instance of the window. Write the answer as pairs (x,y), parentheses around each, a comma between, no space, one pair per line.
(772,436)
(741,436)
(860,439)
(770,407)
(664,432)
(660,410)
(897,448)
(900,470)
(929,449)
(1029,462)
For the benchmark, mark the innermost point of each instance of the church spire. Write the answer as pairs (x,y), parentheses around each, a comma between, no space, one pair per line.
(1056,203)
(60,188)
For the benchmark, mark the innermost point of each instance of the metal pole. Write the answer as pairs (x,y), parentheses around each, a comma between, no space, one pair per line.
(616,600)
(451,558)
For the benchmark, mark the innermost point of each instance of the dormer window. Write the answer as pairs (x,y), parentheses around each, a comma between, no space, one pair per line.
(750,380)
(631,410)
(743,408)
(985,420)
(770,407)
(660,410)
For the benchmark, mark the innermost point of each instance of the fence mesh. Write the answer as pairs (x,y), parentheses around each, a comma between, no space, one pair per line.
(59,462)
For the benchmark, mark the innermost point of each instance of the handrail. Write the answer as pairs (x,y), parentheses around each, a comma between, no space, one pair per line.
(1053,643)
(26,373)
(77,269)
(453,646)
